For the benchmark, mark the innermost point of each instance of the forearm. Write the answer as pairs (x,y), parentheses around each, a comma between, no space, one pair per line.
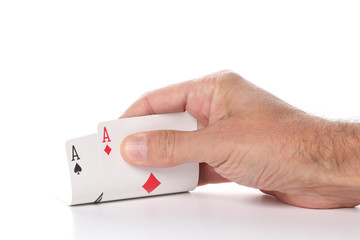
(335,150)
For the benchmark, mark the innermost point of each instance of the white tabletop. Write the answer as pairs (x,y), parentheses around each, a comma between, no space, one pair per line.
(225,211)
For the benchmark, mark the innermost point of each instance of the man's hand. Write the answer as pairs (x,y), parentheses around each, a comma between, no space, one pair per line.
(248,136)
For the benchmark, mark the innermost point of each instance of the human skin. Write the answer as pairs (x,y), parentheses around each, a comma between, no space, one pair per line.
(248,136)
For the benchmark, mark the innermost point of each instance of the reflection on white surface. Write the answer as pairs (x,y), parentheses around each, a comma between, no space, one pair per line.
(211,215)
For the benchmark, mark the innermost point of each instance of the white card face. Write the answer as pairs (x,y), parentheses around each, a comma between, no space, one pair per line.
(85,169)
(122,180)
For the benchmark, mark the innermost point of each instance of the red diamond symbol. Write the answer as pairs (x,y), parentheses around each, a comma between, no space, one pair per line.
(107,149)
(151,183)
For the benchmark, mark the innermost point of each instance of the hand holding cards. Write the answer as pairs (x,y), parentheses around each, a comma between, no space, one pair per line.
(98,172)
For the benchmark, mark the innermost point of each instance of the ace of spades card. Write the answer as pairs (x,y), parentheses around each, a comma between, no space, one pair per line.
(85,170)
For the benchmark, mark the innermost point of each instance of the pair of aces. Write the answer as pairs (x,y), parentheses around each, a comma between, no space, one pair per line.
(98,173)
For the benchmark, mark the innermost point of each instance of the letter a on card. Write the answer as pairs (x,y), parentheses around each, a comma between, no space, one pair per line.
(106,136)
(74,154)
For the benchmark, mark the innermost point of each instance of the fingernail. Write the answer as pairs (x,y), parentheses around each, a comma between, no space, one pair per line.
(136,148)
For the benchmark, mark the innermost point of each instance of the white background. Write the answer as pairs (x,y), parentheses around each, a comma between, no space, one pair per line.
(67,65)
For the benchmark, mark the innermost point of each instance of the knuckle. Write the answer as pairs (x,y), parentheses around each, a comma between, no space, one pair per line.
(147,104)
(224,78)
(165,147)
(229,77)
(145,94)
(225,71)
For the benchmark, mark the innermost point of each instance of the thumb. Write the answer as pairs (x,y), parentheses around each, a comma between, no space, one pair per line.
(165,148)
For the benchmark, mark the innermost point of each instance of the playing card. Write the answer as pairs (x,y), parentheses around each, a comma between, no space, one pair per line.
(85,170)
(122,180)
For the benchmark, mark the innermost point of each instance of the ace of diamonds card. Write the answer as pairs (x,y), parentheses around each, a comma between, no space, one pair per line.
(122,180)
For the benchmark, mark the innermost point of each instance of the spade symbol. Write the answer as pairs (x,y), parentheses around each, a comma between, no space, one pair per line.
(77,169)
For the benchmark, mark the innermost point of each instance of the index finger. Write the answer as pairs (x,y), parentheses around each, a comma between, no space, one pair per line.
(188,96)
(164,100)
